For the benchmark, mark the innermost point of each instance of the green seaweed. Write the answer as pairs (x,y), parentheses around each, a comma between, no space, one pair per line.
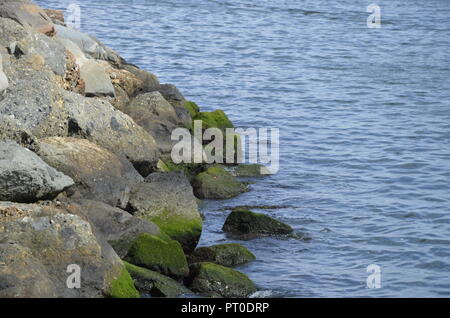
(123,286)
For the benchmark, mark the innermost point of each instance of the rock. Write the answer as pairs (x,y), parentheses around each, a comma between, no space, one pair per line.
(192,108)
(22,42)
(216,119)
(3,79)
(160,254)
(167,200)
(57,16)
(28,15)
(123,287)
(152,112)
(177,100)
(149,81)
(10,129)
(228,255)
(79,57)
(38,243)
(217,183)
(129,82)
(24,177)
(241,221)
(35,105)
(85,42)
(98,121)
(99,174)
(118,227)
(154,284)
(250,170)
(214,280)
(96,80)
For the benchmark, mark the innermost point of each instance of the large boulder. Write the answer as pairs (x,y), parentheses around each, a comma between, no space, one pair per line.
(24,177)
(245,222)
(27,14)
(99,174)
(160,254)
(118,227)
(214,280)
(152,112)
(228,255)
(217,183)
(177,100)
(167,199)
(97,120)
(39,246)
(150,82)
(155,284)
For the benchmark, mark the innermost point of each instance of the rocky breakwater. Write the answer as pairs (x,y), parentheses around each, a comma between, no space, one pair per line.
(87,184)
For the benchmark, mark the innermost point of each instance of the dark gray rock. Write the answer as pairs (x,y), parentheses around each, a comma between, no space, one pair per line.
(99,174)
(245,222)
(228,255)
(24,177)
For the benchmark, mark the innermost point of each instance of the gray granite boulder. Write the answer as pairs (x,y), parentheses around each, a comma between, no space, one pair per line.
(24,177)
(96,80)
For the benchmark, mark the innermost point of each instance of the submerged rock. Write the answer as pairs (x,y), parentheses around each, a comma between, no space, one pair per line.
(28,15)
(241,221)
(24,177)
(118,227)
(228,255)
(99,174)
(160,254)
(167,199)
(155,284)
(39,243)
(250,170)
(214,280)
(217,183)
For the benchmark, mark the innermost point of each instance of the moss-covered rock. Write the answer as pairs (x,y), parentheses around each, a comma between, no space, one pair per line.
(167,199)
(215,119)
(223,254)
(192,108)
(123,287)
(250,170)
(241,221)
(217,183)
(214,280)
(160,254)
(155,284)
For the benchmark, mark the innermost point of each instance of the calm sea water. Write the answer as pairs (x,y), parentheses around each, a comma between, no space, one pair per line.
(364,116)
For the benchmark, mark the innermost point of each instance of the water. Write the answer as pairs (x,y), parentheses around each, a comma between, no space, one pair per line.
(365,127)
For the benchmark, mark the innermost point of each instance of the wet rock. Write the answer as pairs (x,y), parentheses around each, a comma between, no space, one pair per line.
(217,183)
(99,174)
(167,200)
(228,255)
(24,177)
(160,254)
(28,15)
(214,280)
(241,221)
(152,112)
(96,80)
(118,227)
(154,284)
(250,170)
(98,121)
(39,242)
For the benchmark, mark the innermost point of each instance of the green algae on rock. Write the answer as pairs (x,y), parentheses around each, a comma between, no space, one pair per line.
(214,280)
(123,287)
(241,221)
(217,183)
(167,199)
(250,170)
(228,255)
(215,119)
(155,284)
(192,108)
(159,254)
